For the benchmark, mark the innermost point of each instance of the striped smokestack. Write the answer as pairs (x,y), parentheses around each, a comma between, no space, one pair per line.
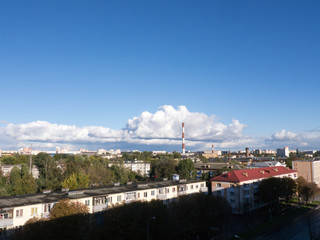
(183,143)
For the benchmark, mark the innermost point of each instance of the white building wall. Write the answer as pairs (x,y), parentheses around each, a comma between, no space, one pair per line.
(29,212)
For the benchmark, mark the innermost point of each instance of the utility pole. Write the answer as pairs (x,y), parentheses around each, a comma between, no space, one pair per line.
(30,163)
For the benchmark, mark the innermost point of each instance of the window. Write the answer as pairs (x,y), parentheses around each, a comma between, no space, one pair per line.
(173,189)
(161,191)
(109,199)
(232,201)
(152,193)
(219,193)
(191,186)
(34,211)
(202,184)
(145,194)
(18,213)
(197,186)
(167,190)
(218,184)
(138,195)
(231,194)
(119,198)
(87,202)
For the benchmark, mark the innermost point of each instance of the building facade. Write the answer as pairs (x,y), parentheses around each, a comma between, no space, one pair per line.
(15,211)
(308,169)
(240,187)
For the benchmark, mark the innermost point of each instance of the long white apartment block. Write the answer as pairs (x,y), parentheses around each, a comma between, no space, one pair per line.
(15,211)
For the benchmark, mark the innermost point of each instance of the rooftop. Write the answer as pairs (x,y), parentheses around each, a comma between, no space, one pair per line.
(251,174)
(30,199)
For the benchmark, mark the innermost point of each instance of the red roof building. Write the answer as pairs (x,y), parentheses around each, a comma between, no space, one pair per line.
(240,187)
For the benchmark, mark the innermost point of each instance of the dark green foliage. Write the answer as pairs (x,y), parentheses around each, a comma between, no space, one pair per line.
(306,190)
(163,168)
(21,182)
(146,156)
(122,174)
(9,160)
(186,169)
(273,189)
(50,175)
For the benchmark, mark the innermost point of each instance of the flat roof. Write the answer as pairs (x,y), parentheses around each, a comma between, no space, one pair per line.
(37,198)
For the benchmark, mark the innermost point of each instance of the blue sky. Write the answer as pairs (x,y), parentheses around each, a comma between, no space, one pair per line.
(102,63)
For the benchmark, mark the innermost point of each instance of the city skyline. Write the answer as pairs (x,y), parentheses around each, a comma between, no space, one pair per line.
(126,75)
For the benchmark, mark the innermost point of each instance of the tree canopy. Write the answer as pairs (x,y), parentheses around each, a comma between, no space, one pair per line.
(66,207)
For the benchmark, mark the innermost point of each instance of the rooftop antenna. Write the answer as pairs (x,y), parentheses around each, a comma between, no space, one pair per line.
(30,164)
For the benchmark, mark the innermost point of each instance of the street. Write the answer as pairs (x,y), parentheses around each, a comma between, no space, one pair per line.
(297,229)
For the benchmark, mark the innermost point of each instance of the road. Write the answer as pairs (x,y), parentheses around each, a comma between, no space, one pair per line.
(296,229)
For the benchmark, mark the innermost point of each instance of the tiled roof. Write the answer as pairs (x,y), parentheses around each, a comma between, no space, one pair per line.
(251,174)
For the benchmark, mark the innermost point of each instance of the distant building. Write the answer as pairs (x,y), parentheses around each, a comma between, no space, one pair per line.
(140,167)
(61,150)
(211,154)
(266,164)
(308,169)
(6,170)
(283,152)
(240,187)
(154,153)
(257,151)
(27,151)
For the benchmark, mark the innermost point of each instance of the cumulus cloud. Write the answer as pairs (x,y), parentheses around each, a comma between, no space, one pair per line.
(284,135)
(160,128)
(305,139)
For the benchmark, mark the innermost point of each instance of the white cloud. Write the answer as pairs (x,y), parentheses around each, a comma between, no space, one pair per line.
(160,128)
(305,139)
(284,136)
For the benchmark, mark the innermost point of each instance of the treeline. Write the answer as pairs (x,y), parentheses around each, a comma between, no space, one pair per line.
(78,171)
(196,216)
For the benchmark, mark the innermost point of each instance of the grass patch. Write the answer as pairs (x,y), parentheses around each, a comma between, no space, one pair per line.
(291,213)
(293,200)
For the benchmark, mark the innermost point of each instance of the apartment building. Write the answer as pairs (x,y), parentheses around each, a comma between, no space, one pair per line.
(240,187)
(15,211)
(283,152)
(137,166)
(308,169)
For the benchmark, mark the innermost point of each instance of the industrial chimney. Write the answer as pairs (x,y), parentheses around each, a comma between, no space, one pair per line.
(247,153)
(183,142)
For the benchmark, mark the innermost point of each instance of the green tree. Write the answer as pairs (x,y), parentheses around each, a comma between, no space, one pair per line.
(308,191)
(76,181)
(176,155)
(186,169)
(164,168)
(50,175)
(270,190)
(288,188)
(21,182)
(120,174)
(9,160)
(100,175)
(66,207)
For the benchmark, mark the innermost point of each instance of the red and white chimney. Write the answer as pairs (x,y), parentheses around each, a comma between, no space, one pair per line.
(183,141)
